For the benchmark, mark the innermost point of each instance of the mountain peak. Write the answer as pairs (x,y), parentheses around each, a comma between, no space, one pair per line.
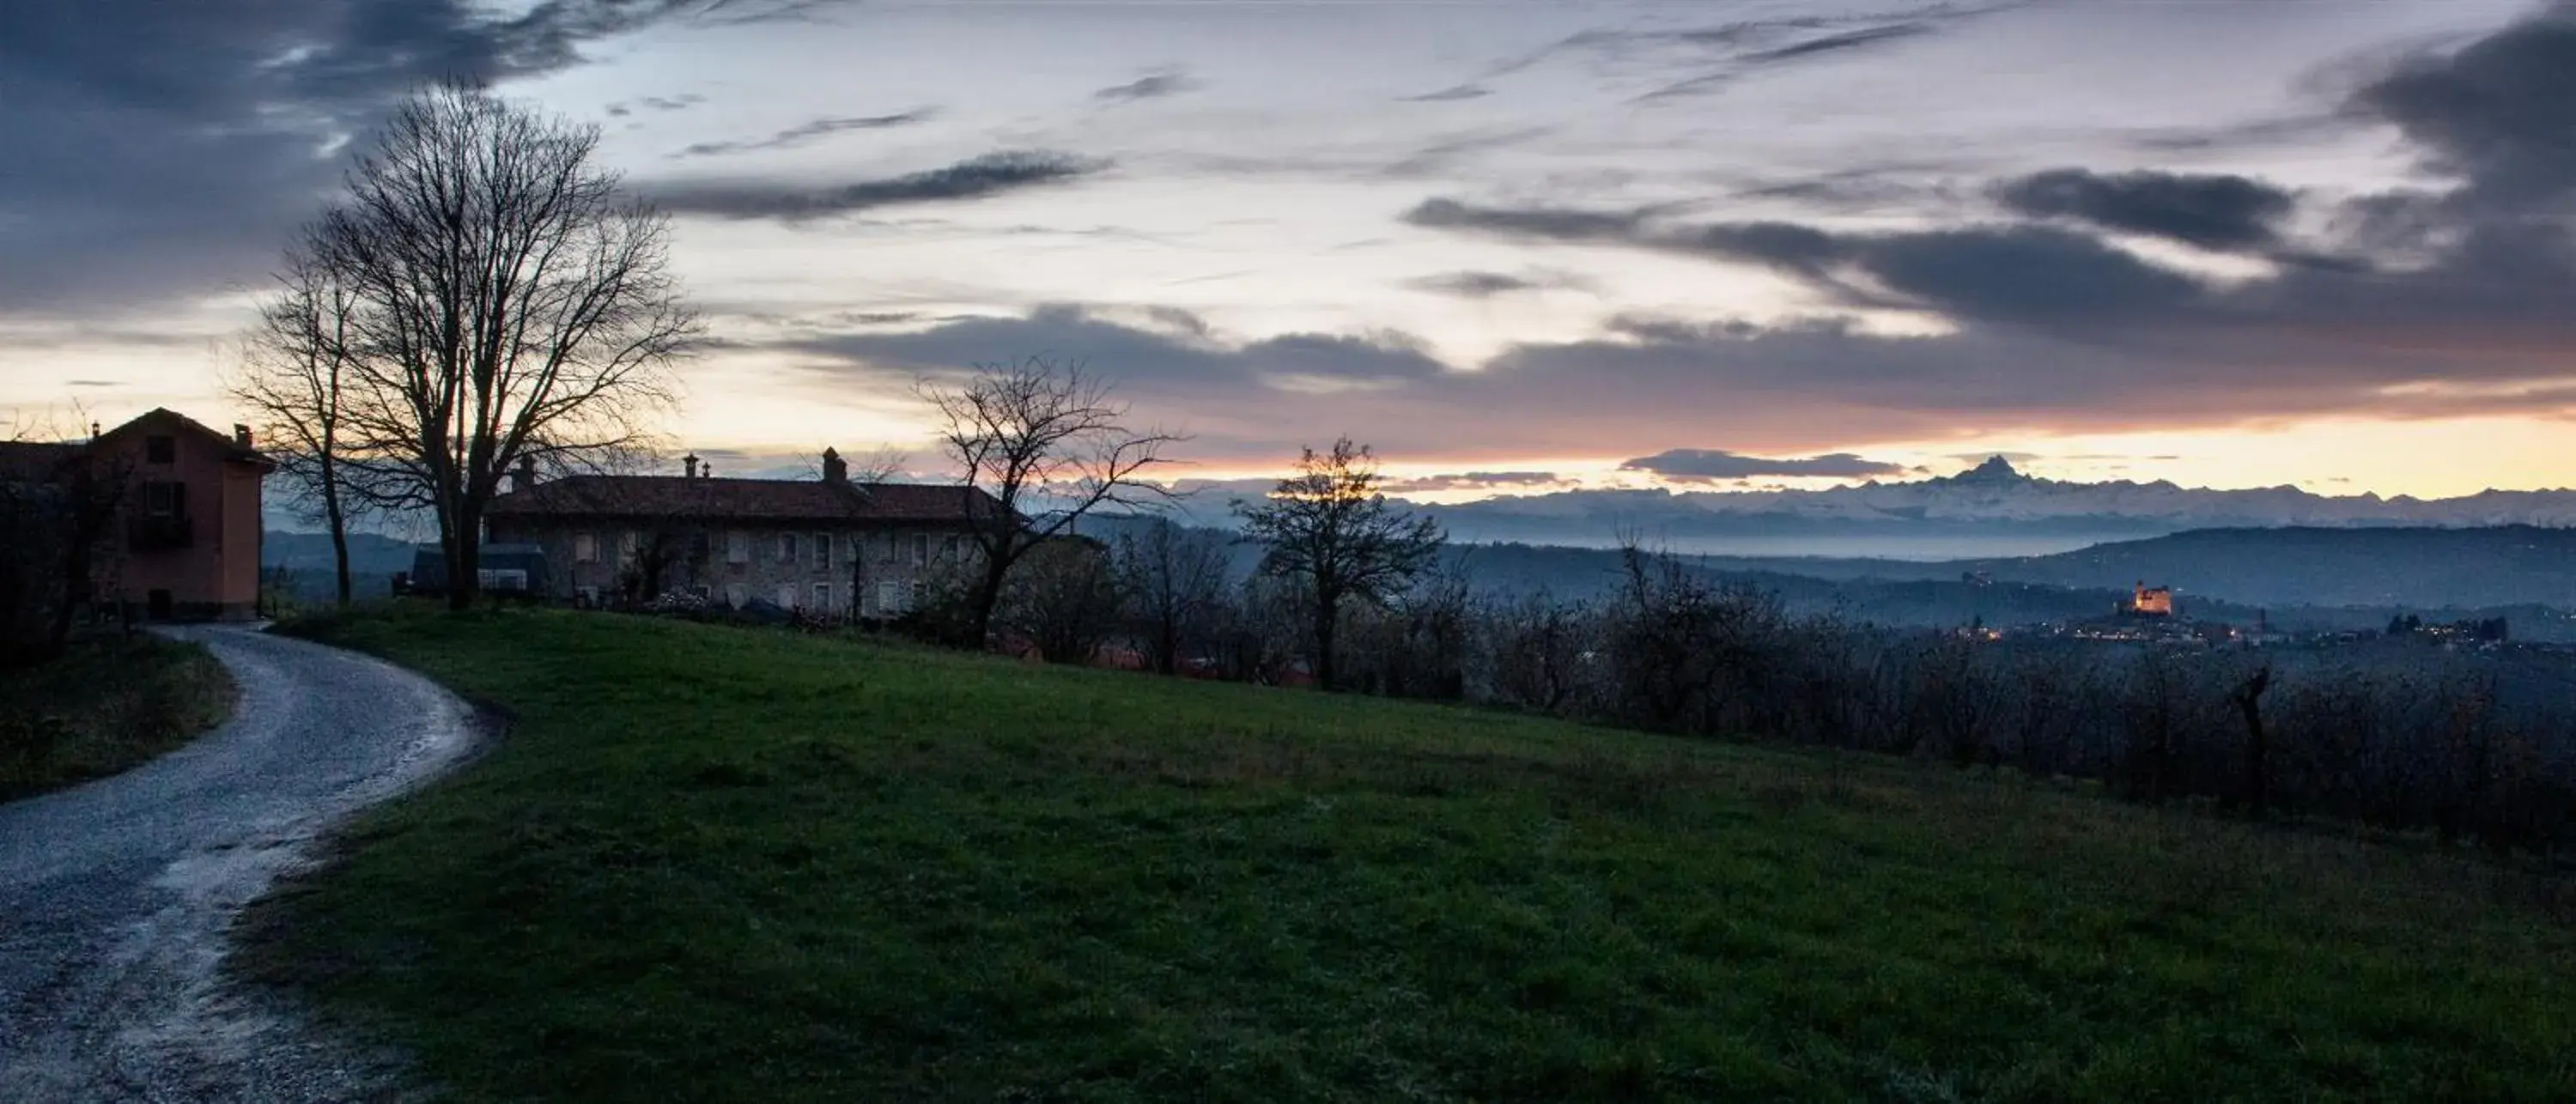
(1996,469)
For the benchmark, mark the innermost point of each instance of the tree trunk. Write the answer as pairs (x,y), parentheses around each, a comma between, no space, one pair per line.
(339,532)
(1167,646)
(988,595)
(464,560)
(1325,608)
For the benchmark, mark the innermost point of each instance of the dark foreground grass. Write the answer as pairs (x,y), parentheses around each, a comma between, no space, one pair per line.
(720,864)
(110,702)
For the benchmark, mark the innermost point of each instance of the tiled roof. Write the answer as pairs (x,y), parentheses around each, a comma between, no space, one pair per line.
(745,499)
(167,418)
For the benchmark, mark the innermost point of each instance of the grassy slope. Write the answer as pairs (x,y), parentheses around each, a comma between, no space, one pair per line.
(109,703)
(716,864)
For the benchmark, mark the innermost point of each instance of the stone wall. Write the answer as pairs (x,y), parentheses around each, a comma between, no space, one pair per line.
(887,565)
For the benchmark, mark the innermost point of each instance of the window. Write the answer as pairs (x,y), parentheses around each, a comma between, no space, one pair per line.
(161,449)
(737,549)
(823,597)
(164,499)
(948,547)
(920,548)
(734,595)
(787,596)
(822,551)
(627,543)
(916,592)
(851,545)
(585,548)
(787,548)
(889,596)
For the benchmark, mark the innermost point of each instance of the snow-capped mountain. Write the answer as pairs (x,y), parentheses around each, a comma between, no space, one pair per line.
(1990,508)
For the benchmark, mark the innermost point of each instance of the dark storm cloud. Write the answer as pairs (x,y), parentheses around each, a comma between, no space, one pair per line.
(2220,212)
(160,150)
(1149,87)
(1717,464)
(805,132)
(975,178)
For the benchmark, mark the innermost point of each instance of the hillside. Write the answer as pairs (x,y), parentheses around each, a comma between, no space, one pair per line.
(722,864)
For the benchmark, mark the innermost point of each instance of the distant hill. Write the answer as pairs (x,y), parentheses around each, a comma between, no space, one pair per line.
(2407,567)
(369,553)
(1990,510)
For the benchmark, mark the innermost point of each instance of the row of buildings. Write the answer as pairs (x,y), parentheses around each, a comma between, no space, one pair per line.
(186,541)
(830,545)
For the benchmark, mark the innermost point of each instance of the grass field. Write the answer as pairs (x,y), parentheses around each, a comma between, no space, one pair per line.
(723,864)
(112,701)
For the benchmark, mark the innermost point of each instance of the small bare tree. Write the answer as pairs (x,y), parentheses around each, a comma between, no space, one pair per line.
(1329,528)
(291,384)
(1050,445)
(504,301)
(1174,583)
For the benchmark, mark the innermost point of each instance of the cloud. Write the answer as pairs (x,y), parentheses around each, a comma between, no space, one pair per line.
(624,108)
(160,151)
(1555,223)
(2500,113)
(1470,481)
(2008,272)
(1486,285)
(1180,352)
(1719,464)
(1469,91)
(1838,43)
(975,178)
(1170,82)
(805,132)
(2218,212)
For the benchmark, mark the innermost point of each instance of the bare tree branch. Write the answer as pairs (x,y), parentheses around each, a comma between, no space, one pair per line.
(1040,435)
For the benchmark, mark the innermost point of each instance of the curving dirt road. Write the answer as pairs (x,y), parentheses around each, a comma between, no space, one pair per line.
(114,896)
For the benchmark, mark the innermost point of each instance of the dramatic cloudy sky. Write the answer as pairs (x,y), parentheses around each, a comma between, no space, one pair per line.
(1515,245)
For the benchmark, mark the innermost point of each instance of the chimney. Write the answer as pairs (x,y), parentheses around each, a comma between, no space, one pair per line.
(690,463)
(526,477)
(241,435)
(835,469)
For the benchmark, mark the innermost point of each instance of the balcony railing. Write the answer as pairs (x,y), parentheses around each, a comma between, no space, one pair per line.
(161,534)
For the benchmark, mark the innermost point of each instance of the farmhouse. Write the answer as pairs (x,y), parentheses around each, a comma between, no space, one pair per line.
(824,545)
(179,533)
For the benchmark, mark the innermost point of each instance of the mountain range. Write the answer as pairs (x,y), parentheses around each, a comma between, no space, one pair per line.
(1989,510)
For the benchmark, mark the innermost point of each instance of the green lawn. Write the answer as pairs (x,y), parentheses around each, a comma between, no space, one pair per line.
(725,864)
(110,702)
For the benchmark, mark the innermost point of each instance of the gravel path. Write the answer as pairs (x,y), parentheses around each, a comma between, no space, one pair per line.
(114,896)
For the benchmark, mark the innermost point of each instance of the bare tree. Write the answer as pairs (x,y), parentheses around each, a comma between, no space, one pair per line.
(1064,599)
(1031,432)
(505,302)
(291,383)
(1329,528)
(1174,580)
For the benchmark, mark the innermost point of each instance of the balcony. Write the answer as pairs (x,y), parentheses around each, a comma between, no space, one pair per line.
(160,534)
